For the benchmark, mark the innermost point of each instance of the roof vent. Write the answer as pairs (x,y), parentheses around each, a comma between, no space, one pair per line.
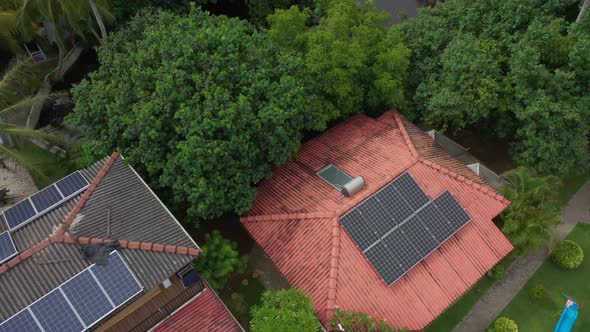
(353,186)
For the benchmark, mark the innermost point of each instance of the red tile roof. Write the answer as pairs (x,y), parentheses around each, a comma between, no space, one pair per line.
(204,313)
(295,221)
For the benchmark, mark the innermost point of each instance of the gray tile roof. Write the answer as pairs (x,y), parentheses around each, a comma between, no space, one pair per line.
(136,214)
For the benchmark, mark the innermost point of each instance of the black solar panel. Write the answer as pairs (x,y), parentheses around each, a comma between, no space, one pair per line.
(72,184)
(46,198)
(21,322)
(7,248)
(359,229)
(410,191)
(399,226)
(393,204)
(87,297)
(19,214)
(452,210)
(55,314)
(117,279)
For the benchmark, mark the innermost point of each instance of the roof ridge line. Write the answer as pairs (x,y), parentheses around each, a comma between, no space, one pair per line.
(64,226)
(287,216)
(461,178)
(403,131)
(334,266)
(136,245)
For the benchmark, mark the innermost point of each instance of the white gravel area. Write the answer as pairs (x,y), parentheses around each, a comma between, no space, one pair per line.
(18,181)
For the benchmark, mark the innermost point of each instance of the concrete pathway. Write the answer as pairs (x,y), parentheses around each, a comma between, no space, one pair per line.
(497,297)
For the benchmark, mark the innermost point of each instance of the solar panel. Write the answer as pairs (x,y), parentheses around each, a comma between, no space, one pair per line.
(359,229)
(72,184)
(117,280)
(21,322)
(410,191)
(7,247)
(87,297)
(452,210)
(46,198)
(399,226)
(19,214)
(55,314)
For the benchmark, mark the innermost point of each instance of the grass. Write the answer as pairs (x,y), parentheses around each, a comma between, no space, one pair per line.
(571,184)
(51,166)
(452,316)
(544,314)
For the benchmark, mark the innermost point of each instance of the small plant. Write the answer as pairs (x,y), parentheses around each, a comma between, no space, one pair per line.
(537,292)
(357,321)
(498,272)
(504,324)
(568,255)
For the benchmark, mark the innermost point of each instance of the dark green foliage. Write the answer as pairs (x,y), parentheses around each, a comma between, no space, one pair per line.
(201,105)
(498,272)
(123,10)
(568,255)
(258,10)
(503,324)
(530,219)
(359,64)
(219,259)
(359,322)
(516,68)
(284,310)
(537,292)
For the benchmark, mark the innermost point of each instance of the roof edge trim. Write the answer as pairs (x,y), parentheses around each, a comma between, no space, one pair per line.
(289,216)
(402,128)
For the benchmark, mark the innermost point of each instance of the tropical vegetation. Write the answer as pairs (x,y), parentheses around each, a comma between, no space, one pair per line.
(568,255)
(359,322)
(503,324)
(219,259)
(530,219)
(284,310)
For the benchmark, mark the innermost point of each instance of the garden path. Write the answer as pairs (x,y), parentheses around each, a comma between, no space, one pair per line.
(497,297)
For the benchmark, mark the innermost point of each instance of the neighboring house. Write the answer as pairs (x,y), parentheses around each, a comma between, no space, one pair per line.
(48,284)
(403,248)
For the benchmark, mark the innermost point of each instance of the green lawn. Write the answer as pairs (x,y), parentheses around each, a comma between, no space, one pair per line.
(571,184)
(454,314)
(543,315)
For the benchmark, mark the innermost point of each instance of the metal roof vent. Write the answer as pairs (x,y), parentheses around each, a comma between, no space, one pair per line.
(353,186)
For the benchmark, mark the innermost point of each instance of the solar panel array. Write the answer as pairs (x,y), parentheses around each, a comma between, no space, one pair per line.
(7,247)
(80,302)
(45,200)
(399,226)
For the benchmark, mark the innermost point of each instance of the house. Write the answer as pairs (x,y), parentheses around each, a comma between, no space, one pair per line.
(97,250)
(373,216)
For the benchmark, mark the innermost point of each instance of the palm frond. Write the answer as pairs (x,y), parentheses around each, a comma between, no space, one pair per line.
(19,131)
(22,159)
(33,100)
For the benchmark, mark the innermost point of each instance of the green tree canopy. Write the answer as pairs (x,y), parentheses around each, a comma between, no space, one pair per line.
(219,259)
(284,310)
(358,63)
(201,105)
(516,69)
(530,219)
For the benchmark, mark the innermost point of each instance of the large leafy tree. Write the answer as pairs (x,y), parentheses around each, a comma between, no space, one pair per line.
(530,220)
(284,310)
(359,63)
(202,105)
(517,70)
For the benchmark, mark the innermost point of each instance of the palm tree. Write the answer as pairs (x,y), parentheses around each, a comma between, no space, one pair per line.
(531,218)
(582,10)
(18,82)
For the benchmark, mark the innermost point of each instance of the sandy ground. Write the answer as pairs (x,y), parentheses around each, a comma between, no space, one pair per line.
(18,181)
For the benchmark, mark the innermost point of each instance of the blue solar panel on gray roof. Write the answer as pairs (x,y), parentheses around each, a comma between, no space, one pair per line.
(21,322)
(55,314)
(72,184)
(117,280)
(87,297)
(46,198)
(19,214)
(7,247)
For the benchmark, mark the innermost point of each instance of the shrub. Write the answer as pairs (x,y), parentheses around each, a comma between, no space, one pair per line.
(219,259)
(568,255)
(284,308)
(498,272)
(504,324)
(537,292)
